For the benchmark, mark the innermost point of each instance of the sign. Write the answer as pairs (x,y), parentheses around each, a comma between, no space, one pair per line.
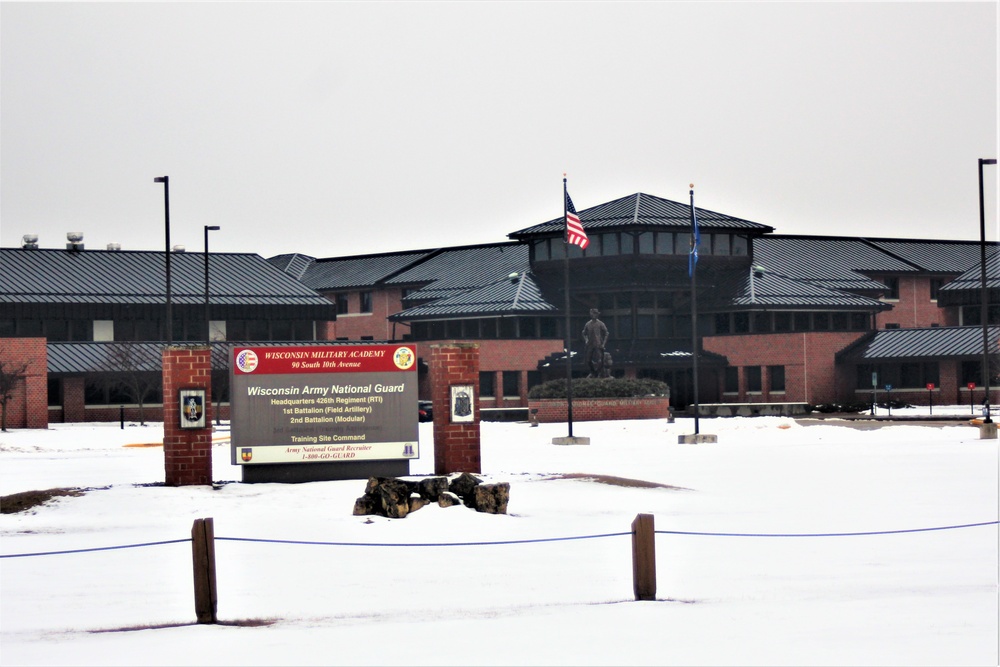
(323,404)
(874,379)
(461,403)
(888,387)
(192,408)
(971,386)
(930,386)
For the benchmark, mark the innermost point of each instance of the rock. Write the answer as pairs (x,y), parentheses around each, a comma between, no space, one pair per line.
(394,496)
(365,505)
(490,498)
(432,488)
(416,502)
(462,485)
(448,499)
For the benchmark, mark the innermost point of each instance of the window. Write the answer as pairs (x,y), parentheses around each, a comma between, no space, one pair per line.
(892,325)
(776,376)
(740,245)
(511,380)
(508,327)
(892,283)
(646,246)
(486,382)
(453,328)
(610,244)
(782,322)
(281,330)
(972,371)
(341,301)
(628,244)
(762,322)
(541,250)
(721,244)
(529,327)
(840,321)
(741,322)
(801,321)
(664,243)
(366,302)
(732,380)
(821,321)
(722,323)
(752,374)
(859,321)
(936,284)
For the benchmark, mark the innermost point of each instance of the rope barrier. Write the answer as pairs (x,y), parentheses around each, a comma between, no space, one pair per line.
(501,542)
(873,532)
(421,544)
(80,551)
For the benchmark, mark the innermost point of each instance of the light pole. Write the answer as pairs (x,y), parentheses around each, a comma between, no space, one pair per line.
(166,212)
(208,319)
(983,306)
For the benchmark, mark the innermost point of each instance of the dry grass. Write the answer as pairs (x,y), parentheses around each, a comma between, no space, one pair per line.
(26,500)
(617,481)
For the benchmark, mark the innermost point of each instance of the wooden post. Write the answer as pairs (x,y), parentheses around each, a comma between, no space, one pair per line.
(206,599)
(644,557)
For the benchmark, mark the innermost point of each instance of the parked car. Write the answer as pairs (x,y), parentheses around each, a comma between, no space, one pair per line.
(425,411)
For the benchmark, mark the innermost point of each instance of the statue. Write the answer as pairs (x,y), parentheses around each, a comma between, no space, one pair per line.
(595,335)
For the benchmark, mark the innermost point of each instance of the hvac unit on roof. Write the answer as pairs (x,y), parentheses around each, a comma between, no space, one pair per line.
(178,248)
(75,240)
(29,241)
(114,246)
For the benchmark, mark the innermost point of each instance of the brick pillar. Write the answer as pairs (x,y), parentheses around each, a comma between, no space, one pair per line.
(73,400)
(456,443)
(187,453)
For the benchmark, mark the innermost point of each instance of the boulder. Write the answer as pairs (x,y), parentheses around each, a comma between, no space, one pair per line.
(491,498)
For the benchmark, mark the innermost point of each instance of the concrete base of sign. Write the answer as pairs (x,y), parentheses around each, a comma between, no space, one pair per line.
(294,473)
(696,439)
(988,431)
(575,440)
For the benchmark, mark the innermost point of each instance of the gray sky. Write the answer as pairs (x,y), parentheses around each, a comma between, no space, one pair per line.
(336,128)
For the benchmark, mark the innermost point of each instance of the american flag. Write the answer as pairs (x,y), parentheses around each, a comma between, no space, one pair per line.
(574,230)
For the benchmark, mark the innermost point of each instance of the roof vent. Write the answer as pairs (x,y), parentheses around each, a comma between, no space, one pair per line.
(30,242)
(178,248)
(114,246)
(75,240)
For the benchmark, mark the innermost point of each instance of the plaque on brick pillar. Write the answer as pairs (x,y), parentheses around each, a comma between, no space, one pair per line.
(461,404)
(192,408)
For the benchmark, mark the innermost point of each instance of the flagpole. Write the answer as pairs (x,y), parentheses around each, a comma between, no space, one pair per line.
(569,354)
(692,266)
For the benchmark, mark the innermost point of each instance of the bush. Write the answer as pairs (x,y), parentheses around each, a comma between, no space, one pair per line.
(601,388)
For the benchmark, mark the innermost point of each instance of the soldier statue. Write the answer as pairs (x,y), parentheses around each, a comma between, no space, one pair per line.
(595,336)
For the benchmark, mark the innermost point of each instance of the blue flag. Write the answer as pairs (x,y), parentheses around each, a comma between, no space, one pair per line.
(695,239)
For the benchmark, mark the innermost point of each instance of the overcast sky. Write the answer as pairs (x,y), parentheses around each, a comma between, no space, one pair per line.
(336,128)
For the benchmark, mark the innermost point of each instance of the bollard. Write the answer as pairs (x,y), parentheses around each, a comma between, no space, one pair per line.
(206,603)
(121,416)
(643,557)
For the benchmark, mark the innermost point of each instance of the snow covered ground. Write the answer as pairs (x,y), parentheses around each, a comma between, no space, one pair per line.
(403,591)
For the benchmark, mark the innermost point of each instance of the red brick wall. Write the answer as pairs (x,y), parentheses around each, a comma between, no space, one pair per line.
(456,445)
(354,324)
(28,407)
(808,358)
(601,409)
(187,453)
(497,355)
(914,307)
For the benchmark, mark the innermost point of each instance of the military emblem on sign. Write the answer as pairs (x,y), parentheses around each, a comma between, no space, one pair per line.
(403,358)
(193,409)
(463,404)
(246,453)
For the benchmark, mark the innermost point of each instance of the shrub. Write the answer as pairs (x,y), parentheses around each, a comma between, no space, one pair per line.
(601,388)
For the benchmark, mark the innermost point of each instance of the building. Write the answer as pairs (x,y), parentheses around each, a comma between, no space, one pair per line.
(780,318)
(93,323)
(774,318)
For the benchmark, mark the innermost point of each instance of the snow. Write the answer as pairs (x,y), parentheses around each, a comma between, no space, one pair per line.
(403,592)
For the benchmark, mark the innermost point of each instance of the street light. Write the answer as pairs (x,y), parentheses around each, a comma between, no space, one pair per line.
(208,319)
(983,312)
(166,211)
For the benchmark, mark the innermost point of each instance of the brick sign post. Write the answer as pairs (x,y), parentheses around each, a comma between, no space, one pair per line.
(455,395)
(187,426)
